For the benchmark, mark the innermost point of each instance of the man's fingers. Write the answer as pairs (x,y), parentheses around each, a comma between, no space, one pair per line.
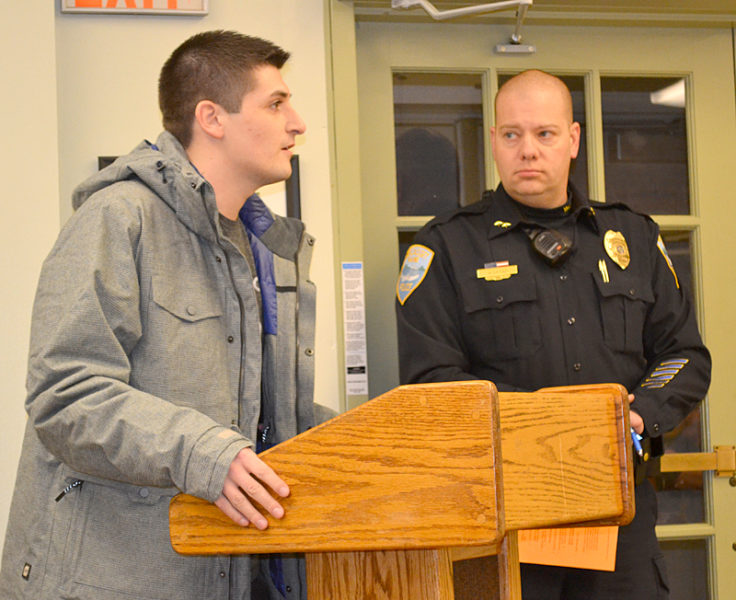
(245,485)
(250,488)
(636,422)
(265,474)
(240,503)
(224,505)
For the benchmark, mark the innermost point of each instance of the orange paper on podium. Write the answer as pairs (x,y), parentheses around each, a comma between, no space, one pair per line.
(579,547)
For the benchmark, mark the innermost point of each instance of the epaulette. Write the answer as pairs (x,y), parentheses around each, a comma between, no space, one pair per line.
(596,205)
(476,208)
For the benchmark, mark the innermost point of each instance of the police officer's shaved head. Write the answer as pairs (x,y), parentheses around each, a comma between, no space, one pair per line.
(535,79)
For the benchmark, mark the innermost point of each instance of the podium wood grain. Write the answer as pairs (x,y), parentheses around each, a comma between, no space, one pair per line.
(414,468)
(410,574)
(418,467)
(384,497)
(566,457)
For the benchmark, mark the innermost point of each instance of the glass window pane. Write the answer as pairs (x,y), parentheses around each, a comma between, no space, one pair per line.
(680,496)
(687,568)
(645,143)
(579,167)
(438,124)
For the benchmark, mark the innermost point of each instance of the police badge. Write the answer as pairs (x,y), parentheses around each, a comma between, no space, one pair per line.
(615,245)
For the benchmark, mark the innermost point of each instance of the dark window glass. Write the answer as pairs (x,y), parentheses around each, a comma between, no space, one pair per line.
(687,568)
(645,143)
(439,134)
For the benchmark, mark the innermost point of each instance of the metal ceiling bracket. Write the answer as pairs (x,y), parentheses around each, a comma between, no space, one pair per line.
(514,47)
(439,15)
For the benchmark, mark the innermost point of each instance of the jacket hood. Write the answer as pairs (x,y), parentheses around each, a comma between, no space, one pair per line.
(165,169)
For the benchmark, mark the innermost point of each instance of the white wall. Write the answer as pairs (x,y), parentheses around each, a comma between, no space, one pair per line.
(106,68)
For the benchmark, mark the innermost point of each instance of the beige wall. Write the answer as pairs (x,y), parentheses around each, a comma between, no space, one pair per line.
(29,210)
(105,69)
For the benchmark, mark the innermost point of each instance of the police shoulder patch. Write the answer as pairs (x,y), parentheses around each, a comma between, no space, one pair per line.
(413,271)
(663,250)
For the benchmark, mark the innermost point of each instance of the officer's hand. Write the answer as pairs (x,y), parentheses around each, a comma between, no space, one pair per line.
(635,419)
(245,482)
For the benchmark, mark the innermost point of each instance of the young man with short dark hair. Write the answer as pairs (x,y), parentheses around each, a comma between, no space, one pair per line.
(165,342)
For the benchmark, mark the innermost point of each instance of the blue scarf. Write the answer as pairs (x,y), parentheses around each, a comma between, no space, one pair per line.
(257,219)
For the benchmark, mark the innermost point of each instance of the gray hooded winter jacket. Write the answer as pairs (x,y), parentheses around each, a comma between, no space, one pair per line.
(141,385)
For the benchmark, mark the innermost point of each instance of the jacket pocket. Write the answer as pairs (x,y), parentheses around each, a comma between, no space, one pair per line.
(118,547)
(624,303)
(503,316)
(184,355)
(190,300)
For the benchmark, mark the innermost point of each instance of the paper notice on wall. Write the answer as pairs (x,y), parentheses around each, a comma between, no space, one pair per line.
(579,547)
(353,310)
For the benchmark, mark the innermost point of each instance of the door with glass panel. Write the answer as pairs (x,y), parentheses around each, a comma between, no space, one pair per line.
(656,108)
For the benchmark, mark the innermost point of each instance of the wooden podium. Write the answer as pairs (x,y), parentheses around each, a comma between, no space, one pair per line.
(384,497)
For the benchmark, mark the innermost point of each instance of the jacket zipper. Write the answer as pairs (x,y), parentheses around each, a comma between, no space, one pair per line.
(297,345)
(242,332)
(69,488)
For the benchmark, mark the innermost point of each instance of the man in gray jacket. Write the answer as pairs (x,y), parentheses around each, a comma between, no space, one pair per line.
(166,343)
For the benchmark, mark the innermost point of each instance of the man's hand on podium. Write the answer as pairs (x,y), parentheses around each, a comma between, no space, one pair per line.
(245,482)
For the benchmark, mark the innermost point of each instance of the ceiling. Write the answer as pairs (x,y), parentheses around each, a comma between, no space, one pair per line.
(648,12)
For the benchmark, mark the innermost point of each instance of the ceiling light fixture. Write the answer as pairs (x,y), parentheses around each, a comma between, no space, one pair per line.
(514,47)
(672,95)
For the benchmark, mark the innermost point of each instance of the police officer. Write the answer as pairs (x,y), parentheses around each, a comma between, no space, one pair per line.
(537,286)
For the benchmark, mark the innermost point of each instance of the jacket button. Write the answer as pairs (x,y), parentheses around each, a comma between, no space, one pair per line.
(191,310)
(230,339)
(632,291)
(223,574)
(655,428)
(571,321)
(143,492)
(310,241)
(499,299)
(577,366)
(288,589)
(193,184)
(563,277)
(218,259)
(309,352)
